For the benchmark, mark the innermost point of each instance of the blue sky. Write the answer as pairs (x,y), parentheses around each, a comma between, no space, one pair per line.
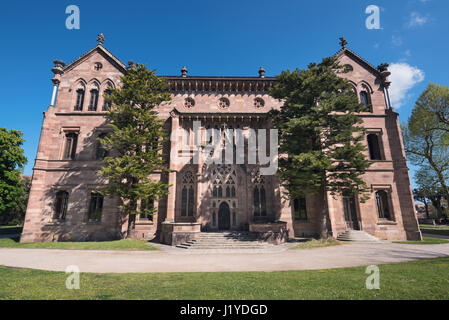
(215,38)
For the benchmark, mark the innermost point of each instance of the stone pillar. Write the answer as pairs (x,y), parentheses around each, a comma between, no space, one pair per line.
(286,212)
(170,217)
(55,89)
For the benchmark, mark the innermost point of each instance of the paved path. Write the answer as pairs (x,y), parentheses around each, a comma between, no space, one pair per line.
(187,261)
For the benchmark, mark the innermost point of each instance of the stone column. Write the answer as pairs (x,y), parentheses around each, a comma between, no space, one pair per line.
(170,217)
(55,89)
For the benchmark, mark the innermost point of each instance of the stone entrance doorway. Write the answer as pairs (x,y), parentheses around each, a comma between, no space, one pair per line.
(350,213)
(224,216)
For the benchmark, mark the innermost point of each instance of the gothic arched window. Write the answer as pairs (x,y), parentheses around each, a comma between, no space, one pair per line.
(93,100)
(188,195)
(223,182)
(259,195)
(106,104)
(79,99)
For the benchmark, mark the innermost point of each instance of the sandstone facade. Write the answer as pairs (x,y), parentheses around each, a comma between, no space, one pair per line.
(63,181)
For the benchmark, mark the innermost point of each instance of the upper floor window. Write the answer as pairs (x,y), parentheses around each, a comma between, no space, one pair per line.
(374,147)
(106,104)
(300,208)
(365,99)
(95,207)
(62,199)
(79,99)
(71,140)
(383,205)
(93,100)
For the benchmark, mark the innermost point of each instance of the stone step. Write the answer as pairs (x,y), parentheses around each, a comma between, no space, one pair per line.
(225,240)
(357,236)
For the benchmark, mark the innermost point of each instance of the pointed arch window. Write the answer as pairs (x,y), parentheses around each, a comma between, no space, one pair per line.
(259,195)
(107,104)
(93,100)
(365,99)
(224,182)
(188,195)
(62,200)
(79,99)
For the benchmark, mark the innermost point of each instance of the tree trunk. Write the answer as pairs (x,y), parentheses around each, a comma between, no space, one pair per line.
(426,206)
(324,232)
(131,224)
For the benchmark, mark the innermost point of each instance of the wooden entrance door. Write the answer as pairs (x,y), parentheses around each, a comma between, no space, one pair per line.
(224,217)
(350,213)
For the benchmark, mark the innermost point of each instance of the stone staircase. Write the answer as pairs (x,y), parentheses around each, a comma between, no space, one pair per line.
(225,240)
(357,236)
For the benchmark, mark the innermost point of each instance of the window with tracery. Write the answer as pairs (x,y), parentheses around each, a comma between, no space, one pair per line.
(224,178)
(188,195)
(259,195)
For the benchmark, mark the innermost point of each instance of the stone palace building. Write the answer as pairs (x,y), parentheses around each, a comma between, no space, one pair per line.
(205,197)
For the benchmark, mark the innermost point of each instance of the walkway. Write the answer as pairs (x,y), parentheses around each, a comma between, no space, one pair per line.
(246,260)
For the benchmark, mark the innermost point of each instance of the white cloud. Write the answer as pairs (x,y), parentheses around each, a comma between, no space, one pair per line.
(417,20)
(403,78)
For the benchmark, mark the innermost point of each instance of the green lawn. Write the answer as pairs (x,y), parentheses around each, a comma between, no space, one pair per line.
(127,244)
(424,279)
(314,243)
(10,230)
(431,229)
(425,241)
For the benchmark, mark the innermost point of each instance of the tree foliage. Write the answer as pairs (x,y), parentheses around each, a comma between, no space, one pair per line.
(426,137)
(320,133)
(12,161)
(135,141)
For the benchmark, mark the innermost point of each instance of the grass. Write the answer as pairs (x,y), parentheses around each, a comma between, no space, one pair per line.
(314,243)
(126,244)
(423,279)
(431,229)
(425,241)
(10,230)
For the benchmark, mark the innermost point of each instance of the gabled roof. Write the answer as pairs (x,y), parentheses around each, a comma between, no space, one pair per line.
(358,58)
(102,50)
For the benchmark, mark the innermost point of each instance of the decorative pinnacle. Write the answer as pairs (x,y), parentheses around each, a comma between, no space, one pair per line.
(100,39)
(343,42)
(184,72)
(261,72)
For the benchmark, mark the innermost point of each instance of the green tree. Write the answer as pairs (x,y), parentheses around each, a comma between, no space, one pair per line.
(12,161)
(429,187)
(426,138)
(436,98)
(135,141)
(320,134)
